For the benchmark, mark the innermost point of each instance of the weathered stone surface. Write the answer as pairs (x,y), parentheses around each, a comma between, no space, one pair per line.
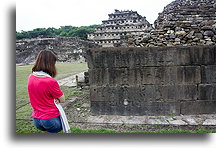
(154,56)
(191,121)
(196,55)
(157,121)
(177,122)
(208,33)
(135,108)
(170,75)
(163,75)
(209,122)
(67,49)
(198,107)
(206,91)
(144,93)
(207,74)
(182,22)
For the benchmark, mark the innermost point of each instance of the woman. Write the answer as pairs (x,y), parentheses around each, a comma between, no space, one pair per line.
(43,90)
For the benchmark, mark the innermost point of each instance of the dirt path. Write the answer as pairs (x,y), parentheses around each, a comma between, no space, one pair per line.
(71,80)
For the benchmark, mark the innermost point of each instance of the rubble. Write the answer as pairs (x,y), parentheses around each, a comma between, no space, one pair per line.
(182,22)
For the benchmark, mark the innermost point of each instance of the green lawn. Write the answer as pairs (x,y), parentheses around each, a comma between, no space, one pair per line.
(67,69)
(28,127)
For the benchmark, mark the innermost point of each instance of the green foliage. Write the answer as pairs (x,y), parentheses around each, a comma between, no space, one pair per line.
(26,126)
(65,31)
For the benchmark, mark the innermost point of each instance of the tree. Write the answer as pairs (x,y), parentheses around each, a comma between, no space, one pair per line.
(66,31)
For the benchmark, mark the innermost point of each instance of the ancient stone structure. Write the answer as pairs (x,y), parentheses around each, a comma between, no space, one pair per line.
(182,22)
(152,80)
(171,73)
(120,24)
(67,49)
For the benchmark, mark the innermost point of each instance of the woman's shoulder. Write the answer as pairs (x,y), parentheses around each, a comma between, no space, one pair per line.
(45,78)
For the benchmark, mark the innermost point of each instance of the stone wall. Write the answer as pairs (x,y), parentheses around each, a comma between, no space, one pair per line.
(67,49)
(182,22)
(152,81)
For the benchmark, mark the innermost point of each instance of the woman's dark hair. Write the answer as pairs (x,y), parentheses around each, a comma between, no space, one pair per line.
(45,61)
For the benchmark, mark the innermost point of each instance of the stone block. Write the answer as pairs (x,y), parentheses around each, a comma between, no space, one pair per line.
(171,75)
(198,107)
(206,92)
(183,56)
(150,56)
(196,55)
(135,108)
(191,74)
(178,122)
(144,93)
(188,75)
(208,57)
(208,74)
(209,122)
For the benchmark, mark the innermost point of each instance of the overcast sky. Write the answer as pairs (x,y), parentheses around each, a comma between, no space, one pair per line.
(31,14)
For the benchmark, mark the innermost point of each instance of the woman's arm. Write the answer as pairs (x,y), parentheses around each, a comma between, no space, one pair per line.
(61,99)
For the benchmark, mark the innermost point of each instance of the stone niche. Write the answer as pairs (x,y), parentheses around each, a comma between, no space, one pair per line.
(152,80)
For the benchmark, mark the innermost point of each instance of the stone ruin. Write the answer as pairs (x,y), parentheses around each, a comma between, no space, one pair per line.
(114,31)
(152,80)
(171,73)
(182,22)
(67,49)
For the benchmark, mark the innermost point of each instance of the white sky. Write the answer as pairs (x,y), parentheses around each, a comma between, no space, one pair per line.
(31,14)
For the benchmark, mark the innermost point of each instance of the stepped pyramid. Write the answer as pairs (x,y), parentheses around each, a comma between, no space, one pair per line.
(120,25)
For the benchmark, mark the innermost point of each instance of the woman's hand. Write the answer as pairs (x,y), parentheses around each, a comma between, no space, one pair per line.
(57,101)
(61,99)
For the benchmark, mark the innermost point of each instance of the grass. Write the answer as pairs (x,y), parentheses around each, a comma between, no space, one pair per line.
(67,69)
(77,130)
(28,127)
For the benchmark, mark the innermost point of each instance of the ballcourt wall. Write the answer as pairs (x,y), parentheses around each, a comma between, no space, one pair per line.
(152,80)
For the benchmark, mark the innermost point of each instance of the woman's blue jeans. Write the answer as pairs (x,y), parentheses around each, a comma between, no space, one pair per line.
(52,125)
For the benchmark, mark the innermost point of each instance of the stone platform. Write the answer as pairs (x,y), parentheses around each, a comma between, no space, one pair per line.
(155,120)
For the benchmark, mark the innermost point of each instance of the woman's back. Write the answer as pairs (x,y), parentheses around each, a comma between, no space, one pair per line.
(42,92)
